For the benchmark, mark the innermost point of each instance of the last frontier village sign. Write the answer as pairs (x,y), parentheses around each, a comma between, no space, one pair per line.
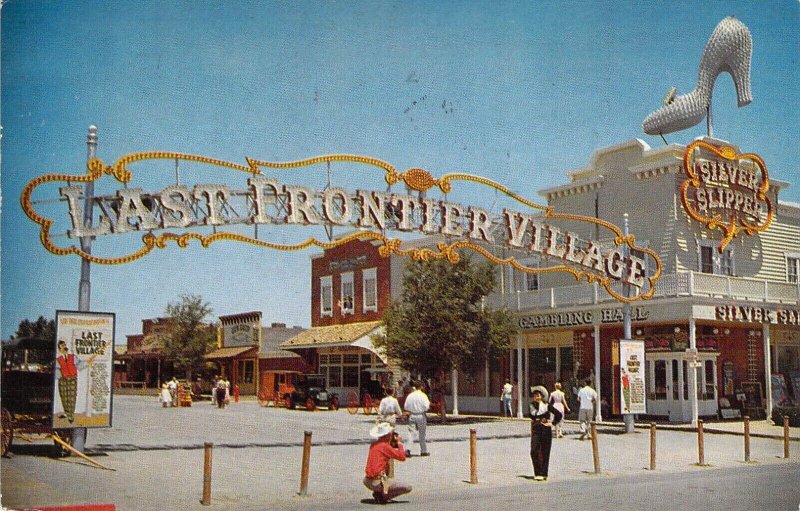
(267,201)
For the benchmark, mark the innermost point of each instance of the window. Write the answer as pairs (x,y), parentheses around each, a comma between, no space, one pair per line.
(531,282)
(245,371)
(370,285)
(712,261)
(709,379)
(350,376)
(707,259)
(326,296)
(792,268)
(347,293)
(334,376)
(660,377)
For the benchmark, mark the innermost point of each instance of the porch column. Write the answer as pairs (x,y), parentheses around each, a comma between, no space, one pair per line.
(454,379)
(767,368)
(693,371)
(520,381)
(558,363)
(598,412)
(526,362)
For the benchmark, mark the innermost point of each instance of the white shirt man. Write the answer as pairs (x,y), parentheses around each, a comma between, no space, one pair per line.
(587,397)
(389,409)
(417,403)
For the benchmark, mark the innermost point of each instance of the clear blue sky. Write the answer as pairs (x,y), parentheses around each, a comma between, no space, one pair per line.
(518,92)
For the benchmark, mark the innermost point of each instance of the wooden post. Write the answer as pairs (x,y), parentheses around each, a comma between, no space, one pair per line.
(700,447)
(473,456)
(306,457)
(595,452)
(786,436)
(652,446)
(207,475)
(746,438)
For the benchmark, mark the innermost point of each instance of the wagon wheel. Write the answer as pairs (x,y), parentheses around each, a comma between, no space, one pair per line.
(367,403)
(352,402)
(65,435)
(334,403)
(310,405)
(287,400)
(8,431)
(263,399)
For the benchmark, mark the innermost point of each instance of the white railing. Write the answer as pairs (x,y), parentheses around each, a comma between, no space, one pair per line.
(669,285)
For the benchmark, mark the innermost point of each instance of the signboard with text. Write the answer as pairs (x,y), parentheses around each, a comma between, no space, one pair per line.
(631,376)
(84,369)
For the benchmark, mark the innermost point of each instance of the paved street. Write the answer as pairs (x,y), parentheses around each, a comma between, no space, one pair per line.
(158,457)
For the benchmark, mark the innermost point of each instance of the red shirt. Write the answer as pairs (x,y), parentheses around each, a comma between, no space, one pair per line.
(68,367)
(380,452)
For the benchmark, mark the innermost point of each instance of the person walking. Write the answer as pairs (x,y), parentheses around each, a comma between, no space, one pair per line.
(220,391)
(543,416)
(214,382)
(165,397)
(588,399)
(386,446)
(227,391)
(173,391)
(389,409)
(506,396)
(559,400)
(416,405)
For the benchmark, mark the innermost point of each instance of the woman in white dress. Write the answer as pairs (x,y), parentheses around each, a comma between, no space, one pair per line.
(559,401)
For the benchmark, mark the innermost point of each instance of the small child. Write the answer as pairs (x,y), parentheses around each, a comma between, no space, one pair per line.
(165,397)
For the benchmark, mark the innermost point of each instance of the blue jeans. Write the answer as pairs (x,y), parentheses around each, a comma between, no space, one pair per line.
(507,407)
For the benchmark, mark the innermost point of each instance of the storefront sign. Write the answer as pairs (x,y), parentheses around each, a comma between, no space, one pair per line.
(351,263)
(580,318)
(83,369)
(631,376)
(267,201)
(726,190)
(750,314)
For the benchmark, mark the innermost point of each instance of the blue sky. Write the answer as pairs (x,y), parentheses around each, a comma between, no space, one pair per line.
(518,92)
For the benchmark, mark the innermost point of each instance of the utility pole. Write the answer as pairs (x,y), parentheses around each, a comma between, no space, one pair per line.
(85,286)
(626,320)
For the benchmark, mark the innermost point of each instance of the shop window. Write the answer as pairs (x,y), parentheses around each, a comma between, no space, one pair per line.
(323,359)
(793,268)
(326,296)
(350,376)
(346,299)
(542,360)
(566,362)
(370,285)
(366,358)
(334,376)
(245,371)
(351,359)
(335,359)
(676,388)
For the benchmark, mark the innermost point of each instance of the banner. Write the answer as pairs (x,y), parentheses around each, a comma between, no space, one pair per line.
(83,370)
(631,376)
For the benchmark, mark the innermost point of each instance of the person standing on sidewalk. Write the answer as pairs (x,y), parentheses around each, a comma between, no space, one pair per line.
(506,396)
(173,391)
(389,409)
(559,400)
(543,416)
(588,399)
(416,405)
(385,447)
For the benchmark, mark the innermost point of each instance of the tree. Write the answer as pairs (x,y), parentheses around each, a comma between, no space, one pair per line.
(189,337)
(439,323)
(41,328)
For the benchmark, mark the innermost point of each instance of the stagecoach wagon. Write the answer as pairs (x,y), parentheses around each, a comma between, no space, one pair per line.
(27,393)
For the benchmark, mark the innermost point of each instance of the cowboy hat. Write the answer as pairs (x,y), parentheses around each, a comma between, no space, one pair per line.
(541,390)
(380,430)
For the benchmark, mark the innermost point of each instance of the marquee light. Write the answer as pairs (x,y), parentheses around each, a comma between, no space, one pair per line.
(268,201)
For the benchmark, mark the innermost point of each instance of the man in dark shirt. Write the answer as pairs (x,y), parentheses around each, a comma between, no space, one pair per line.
(385,447)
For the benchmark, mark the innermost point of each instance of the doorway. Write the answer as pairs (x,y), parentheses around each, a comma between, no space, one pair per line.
(668,385)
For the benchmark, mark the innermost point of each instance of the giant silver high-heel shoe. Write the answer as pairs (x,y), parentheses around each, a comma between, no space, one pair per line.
(728,50)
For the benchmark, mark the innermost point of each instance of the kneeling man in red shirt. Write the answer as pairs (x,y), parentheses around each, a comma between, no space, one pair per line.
(385,447)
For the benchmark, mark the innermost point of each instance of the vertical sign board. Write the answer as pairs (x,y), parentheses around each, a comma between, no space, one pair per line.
(83,369)
(631,377)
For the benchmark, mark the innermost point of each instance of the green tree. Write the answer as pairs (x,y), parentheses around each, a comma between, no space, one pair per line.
(189,337)
(439,323)
(41,328)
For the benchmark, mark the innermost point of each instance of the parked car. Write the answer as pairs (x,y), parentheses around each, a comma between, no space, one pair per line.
(309,391)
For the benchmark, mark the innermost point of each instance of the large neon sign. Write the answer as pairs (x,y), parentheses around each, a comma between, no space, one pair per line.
(726,190)
(267,200)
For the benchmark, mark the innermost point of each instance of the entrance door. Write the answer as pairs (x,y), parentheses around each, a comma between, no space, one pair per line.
(668,386)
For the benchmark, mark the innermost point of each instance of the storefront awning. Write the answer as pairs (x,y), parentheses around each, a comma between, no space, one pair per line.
(233,352)
(349,334)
